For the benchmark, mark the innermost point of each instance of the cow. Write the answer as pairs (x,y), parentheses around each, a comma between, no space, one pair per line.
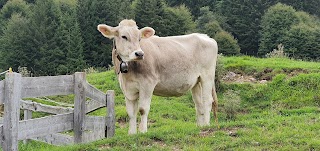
(148,65)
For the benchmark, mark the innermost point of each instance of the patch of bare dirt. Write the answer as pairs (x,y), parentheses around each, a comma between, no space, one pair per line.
(232,77)
(104,147)
(159,143)
(122,123)
(207,132)
(176,149)
(261,77)
(232,132)
(294,72)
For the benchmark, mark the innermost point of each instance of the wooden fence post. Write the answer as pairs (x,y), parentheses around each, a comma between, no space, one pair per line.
(12,97)
(27,114)
(79,106)
(110,129)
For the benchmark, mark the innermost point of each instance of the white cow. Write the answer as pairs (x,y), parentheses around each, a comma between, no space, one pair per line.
(166,66)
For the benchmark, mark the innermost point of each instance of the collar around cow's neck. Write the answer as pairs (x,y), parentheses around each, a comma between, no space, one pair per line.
(123,65)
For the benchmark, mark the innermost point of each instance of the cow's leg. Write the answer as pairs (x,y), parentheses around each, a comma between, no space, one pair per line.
(207,99)
(132,110)
(202,97)
(144,107)
(197,98)
(215,104)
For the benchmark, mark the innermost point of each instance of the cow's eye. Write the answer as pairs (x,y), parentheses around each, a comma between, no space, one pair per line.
(124,37)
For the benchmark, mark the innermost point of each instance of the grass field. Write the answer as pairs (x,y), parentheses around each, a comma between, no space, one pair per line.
(283,114)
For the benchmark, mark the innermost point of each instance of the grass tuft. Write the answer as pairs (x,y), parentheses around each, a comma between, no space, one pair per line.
(231,104)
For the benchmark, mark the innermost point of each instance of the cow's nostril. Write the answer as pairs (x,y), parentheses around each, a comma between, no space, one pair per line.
(139,54)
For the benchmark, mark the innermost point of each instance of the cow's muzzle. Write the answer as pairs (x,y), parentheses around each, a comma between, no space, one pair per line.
(139,55)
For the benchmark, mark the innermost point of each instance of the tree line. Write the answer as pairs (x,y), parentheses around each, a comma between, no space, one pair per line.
(52,37)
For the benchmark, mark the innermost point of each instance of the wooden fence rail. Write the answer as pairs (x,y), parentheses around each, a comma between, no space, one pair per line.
(50,129)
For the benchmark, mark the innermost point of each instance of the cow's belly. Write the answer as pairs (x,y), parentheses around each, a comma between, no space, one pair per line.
(176,85)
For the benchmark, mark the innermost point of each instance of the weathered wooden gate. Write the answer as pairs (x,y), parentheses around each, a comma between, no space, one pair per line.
(49,129)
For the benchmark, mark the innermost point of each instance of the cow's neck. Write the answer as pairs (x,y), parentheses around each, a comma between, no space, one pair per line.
(123,68)
(123,65)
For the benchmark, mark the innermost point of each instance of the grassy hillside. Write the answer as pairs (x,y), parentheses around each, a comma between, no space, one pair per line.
(268,67)
(283,114)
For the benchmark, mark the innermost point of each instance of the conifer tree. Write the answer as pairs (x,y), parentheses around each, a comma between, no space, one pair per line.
(180,21)
(194,6)
(69,40)
(2,2)
(243,19)
(14,51)
(97,49)
(44,22)
(208,23)
(151,13)
(309,6)
(10,8)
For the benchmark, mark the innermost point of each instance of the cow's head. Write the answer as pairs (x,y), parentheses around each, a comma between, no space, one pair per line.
(127,38)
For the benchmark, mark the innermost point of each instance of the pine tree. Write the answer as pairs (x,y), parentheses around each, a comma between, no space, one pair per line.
(194,6)
(2,2)
(179,20)
(206,16)
(310,6)
(12,17)
(69,40)
(208,23)
(14,51)
(49,43)
(30,1)
(243,19)
(150,13)
(10,8)
(44,22)
(97,49)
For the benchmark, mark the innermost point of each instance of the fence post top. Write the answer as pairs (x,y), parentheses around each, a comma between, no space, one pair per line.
(12,73)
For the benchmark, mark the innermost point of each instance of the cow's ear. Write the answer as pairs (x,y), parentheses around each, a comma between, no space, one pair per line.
(107,31)
(147,32)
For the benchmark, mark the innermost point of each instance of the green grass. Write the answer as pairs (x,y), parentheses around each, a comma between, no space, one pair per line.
(252,63)
(268,67)
(281,115)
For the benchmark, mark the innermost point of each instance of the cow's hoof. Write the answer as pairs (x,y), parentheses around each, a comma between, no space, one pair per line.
(143,131)
(132,132)
(203,123)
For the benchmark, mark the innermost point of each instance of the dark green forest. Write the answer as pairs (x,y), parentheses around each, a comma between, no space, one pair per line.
(52,37)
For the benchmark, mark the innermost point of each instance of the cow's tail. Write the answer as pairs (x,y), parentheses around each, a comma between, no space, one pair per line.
(215,107)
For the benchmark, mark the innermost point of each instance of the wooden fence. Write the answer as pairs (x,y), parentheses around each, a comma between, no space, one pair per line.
(50,129)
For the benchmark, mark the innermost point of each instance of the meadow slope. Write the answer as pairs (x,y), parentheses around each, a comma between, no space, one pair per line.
(283,114)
